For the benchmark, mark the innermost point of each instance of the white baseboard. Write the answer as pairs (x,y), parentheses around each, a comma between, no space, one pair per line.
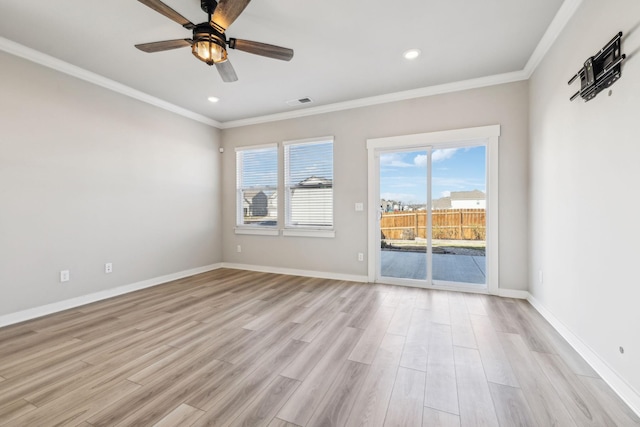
(32,313)
(626,392)
(507,293)
(513,293)
(295,272)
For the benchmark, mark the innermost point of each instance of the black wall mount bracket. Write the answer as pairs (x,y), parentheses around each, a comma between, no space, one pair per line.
(600,71)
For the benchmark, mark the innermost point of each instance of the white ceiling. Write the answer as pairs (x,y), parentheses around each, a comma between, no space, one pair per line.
(344,49)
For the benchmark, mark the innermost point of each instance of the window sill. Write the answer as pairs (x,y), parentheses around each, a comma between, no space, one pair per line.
(308,233)
(257,231)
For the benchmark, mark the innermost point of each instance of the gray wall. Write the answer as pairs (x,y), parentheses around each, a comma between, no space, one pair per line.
(506,105)
(584,189)
(88,176)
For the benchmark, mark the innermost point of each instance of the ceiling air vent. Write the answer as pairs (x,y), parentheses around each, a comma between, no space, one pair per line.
(300,101)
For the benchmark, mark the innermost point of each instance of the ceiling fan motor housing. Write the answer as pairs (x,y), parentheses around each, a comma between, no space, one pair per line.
(208,6)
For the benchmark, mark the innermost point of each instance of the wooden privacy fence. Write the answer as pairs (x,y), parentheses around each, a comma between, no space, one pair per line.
(447,224)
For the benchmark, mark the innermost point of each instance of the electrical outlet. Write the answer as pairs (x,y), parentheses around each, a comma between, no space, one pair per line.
(64,276)
(360,256)
(359,207)
(108,268)
(239,249)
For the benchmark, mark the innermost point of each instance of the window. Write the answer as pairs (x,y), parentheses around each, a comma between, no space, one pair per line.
(309,184)
(257,186)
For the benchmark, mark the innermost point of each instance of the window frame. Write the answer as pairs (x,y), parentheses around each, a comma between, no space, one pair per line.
(441,139)
(290,229)
(240,226)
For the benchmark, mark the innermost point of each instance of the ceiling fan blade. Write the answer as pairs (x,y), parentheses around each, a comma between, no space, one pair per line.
(226,71)
(164,45)
(226,12)
(165,10)
(264,49)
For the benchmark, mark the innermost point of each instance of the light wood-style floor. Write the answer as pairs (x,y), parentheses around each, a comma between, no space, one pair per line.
(242,348)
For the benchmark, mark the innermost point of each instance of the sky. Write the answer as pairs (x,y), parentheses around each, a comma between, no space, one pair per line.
(260,166)
(403,175)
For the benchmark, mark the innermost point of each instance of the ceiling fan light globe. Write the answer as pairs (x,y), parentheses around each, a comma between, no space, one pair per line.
(209,49)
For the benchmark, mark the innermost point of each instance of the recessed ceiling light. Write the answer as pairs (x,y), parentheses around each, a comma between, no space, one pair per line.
(411,54)
(213,99)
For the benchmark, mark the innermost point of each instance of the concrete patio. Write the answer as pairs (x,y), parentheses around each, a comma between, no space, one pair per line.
(447,267)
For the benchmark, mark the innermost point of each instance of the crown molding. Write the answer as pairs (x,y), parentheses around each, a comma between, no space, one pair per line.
(45,60)
(559,22)
(383,99)
(562,18)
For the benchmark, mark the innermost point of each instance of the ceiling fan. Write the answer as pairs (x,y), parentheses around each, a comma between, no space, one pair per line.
(209,42)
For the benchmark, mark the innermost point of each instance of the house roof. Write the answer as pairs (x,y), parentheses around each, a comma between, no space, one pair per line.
(468,195)
(250,194)
(315,181)
(442,203)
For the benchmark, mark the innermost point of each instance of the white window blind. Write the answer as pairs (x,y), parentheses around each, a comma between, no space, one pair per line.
(309,183)
(257,186)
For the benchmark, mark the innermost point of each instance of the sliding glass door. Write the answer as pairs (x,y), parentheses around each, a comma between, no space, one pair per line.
(432,215)
(403,220)
(458,211)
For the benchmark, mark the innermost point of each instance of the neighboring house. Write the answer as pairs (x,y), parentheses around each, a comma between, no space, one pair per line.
(442,203)
(311,202)
(387,205)
(257,203)
(393,206)
(475,199)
